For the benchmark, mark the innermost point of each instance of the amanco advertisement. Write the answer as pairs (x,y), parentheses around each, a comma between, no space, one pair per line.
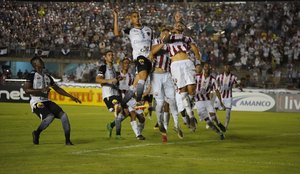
(253,101)
(250,100)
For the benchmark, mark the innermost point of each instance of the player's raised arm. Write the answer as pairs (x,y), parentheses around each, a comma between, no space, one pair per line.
(160,44)
(117,32)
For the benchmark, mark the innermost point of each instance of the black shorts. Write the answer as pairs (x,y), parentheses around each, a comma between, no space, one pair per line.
(111,101)
(142,63)
(148,98)
(43,109)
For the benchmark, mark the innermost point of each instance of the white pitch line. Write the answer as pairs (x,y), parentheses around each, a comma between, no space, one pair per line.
(140,145)
(104,152)
(169,143)
(283,135)
(268,163)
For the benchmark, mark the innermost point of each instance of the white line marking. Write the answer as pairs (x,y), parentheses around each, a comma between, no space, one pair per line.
(105,152)
(141,145)
(268,163)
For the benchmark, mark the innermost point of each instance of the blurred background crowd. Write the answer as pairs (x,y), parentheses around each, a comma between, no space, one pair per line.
(261,40)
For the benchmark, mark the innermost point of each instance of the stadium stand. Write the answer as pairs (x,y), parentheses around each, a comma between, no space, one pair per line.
(260,39)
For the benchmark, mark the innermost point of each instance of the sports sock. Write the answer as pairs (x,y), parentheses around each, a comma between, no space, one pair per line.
(118,121)
(66,126)
(166,119)
(227,120)
(174,111)
(158,111)
(134,128)
(141,127)
(140,90)
(186,104)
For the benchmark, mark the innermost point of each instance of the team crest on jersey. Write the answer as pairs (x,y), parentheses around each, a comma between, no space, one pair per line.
(40,105)
(148,33)
(114,101)
(141,61)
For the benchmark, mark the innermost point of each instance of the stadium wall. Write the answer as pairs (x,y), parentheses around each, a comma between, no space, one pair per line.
(259,100)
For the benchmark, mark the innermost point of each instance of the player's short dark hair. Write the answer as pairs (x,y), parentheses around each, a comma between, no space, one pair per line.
(126,58)
(134,11)
(107,51)
(165,29)
(35,58)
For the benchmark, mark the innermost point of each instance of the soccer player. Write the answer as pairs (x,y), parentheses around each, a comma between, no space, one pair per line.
(182,68)
(108,78)
(38,84)
(163,86)
(226,82)
(125,82)
(140,37)
(205,84)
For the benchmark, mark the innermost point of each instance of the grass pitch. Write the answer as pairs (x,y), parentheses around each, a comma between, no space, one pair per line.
(257,142)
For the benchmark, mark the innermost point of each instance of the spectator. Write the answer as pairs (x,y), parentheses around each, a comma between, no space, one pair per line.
(20,74)
(264,30)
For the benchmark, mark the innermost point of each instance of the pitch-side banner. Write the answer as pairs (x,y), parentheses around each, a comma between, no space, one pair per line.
(88,96)
(253,101)
(13,93)
(288,102)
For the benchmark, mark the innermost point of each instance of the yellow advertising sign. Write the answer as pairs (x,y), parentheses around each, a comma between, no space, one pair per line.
(88,96)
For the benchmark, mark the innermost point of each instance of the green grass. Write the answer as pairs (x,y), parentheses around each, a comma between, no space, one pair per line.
(257,142)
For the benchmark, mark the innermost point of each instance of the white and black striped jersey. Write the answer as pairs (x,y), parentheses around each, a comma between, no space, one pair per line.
(108,73)
(140,39)
(39,81)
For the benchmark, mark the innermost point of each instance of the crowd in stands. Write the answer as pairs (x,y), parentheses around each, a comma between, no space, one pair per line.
(260,39)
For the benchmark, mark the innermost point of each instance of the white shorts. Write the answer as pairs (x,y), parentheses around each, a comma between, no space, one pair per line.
(131,106)
(163,86)
(226,101)
(183,73)
(204,108)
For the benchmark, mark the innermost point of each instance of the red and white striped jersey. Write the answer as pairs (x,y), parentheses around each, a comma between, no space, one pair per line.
(162,58)
(204,86)
(178,43)
(126,82)
(225,84)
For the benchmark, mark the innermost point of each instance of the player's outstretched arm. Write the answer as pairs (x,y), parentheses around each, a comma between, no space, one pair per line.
(61,91)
